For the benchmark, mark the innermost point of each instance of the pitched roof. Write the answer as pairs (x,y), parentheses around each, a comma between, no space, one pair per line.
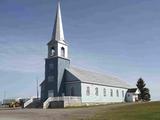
(97,78)
(132,90)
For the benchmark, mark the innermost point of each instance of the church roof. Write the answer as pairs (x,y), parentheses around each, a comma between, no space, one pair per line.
(97,78)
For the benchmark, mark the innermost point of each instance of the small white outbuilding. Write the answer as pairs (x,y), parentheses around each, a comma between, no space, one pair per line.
(132,95)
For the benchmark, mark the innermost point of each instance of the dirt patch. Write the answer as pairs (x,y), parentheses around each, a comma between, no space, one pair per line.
(53,114)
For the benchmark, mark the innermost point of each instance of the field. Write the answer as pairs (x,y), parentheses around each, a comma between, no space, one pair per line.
(140,111)
(144,111)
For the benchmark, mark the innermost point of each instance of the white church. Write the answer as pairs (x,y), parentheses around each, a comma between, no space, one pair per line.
(68,86)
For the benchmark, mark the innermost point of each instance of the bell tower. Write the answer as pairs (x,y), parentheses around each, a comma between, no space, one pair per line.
(56,62)
(57,47)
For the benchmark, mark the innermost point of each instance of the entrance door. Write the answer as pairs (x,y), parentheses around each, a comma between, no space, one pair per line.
(72,91)
(50,93)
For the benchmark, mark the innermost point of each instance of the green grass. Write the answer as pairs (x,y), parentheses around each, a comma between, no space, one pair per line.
(143,111)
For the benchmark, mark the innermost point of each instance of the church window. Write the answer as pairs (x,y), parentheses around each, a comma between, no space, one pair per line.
(104,92)
(122,93)
(62,52)
(117,93)
(96,91)
(111,93)
(50,78)
(72,91)
(52,51)
(88,91)
(51,66)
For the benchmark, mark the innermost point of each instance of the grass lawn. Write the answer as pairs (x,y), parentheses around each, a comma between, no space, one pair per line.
(142,111)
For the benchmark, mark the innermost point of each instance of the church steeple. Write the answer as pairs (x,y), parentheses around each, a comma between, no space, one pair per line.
(57,47)
(58,33)
(56,62)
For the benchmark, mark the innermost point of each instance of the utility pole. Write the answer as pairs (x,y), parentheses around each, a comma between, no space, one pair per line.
(37,88)
(4,96)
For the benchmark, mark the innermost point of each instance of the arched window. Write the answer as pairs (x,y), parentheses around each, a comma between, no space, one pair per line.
(104,92)
(62,52)
(122,93)
(111,93)
(96,91)
(72,91)
(117,93)
(52,51)
(88,91)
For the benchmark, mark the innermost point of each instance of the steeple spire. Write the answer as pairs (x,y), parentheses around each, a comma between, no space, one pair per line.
(57,47)
(58,33)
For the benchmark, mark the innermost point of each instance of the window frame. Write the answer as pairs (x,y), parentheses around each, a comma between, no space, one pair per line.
(111,92)
(88,91)
(104,92)
(53,51)
(62,51)
(117,92)
(96,91)
(123,94)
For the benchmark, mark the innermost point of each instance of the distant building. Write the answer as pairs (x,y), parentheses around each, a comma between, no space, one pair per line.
(132,95)
(8,101)
(65,83)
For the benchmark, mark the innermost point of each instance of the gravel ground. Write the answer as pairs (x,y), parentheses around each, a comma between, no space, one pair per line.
(40,114)
(52,114)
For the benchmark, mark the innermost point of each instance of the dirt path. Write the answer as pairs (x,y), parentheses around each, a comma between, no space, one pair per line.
(53,114)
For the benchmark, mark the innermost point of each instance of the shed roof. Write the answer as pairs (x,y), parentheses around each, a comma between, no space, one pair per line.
(132,90)
(97,78)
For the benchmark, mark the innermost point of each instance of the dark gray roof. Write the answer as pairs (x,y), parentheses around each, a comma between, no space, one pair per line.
(97,78)
(133,90)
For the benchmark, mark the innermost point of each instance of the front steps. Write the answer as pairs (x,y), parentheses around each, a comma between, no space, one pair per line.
(33,103)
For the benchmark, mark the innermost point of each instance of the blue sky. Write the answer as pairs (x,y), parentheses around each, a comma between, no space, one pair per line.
(117,37)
